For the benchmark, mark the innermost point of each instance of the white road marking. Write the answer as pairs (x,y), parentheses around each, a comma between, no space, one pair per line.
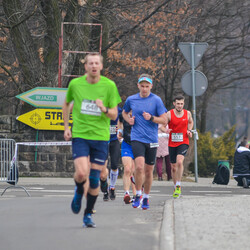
(209,191)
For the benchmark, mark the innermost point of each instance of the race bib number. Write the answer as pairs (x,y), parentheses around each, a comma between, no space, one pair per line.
(112,129)
(90,108)
(154,145)
(177,137)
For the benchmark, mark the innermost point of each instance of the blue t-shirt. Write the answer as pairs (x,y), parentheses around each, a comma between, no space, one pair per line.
(113,124)
(143,130)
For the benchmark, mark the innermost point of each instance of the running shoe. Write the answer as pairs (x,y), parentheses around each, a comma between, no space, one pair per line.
(136,203)
(133,198)
(87,221)
(112,194)
(106,196)
(126,199)
(145,204)
(177,192)
(76,202)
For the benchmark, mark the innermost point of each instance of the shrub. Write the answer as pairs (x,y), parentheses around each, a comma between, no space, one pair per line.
(211,150)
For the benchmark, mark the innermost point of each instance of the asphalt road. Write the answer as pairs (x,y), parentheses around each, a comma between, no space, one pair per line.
(45,221)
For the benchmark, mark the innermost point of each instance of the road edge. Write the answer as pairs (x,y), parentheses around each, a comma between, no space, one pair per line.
(167,228)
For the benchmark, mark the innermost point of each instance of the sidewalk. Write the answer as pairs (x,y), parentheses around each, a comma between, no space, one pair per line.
(206,222)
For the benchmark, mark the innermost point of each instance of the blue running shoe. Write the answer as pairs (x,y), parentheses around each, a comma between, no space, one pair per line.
(145,204)
(87,221)
(137,201)
(76,202)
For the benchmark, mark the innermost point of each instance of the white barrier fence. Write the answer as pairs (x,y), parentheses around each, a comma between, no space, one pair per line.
(9,156)
(8,163)
(7,148)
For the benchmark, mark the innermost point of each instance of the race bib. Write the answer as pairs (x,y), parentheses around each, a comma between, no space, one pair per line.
(177,137)
(154,145)
(90,108)
(112,129)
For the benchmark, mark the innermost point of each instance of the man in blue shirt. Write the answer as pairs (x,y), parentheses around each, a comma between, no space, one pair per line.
(148,111)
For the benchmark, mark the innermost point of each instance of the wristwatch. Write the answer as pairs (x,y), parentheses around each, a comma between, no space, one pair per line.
(107,110)
(152,118)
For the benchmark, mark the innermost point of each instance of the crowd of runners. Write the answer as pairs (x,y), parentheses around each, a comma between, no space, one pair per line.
(100,126)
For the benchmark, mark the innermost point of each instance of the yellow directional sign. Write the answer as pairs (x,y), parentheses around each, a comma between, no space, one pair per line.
(44,119)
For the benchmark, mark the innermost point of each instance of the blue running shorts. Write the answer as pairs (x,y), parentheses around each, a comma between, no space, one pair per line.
(126,150)
(96,150)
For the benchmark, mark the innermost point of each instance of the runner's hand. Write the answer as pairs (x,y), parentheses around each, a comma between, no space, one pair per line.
(168,130)
(119,135)
(146,115)
(67,134)
(189,133)
(131,121)
(100,105)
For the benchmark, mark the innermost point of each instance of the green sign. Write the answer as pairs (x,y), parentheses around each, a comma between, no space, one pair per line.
(42,97)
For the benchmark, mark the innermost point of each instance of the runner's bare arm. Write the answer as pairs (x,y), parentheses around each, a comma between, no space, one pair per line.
(66,112)
(190,121)
(168,115)
(120,130)
(127,118)
(190,124)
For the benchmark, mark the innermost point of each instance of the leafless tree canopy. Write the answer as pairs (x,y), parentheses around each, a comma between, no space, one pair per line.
(138,37)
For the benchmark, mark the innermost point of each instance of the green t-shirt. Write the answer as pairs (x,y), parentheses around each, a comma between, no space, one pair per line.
(88,120)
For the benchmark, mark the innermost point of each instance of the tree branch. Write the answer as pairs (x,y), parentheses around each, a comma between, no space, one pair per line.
(15,25)
(135,26)
(9,73)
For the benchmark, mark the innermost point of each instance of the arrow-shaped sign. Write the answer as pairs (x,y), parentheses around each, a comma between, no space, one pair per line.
(42,97)
(44,119)
(45,98)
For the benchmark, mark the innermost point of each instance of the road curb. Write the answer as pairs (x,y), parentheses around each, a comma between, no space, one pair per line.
(167,228)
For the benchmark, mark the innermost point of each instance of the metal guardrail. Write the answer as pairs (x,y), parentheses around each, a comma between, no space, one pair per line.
(8,164)
(7,148)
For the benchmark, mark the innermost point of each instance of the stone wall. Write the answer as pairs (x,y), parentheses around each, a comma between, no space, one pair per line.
(44,161)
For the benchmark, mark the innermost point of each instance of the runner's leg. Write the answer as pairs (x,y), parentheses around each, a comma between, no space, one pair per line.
(127,163)
(148,178)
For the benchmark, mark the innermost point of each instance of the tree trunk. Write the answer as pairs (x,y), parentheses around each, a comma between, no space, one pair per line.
(53,21)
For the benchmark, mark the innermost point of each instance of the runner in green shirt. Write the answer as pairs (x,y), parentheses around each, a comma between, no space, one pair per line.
(95,100)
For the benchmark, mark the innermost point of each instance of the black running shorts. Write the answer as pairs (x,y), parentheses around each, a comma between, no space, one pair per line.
(147,150)
(174,151)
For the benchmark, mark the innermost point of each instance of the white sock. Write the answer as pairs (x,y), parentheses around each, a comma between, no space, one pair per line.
(127,192)
(145,196)
(113,177)
(178,183)
(138,192)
